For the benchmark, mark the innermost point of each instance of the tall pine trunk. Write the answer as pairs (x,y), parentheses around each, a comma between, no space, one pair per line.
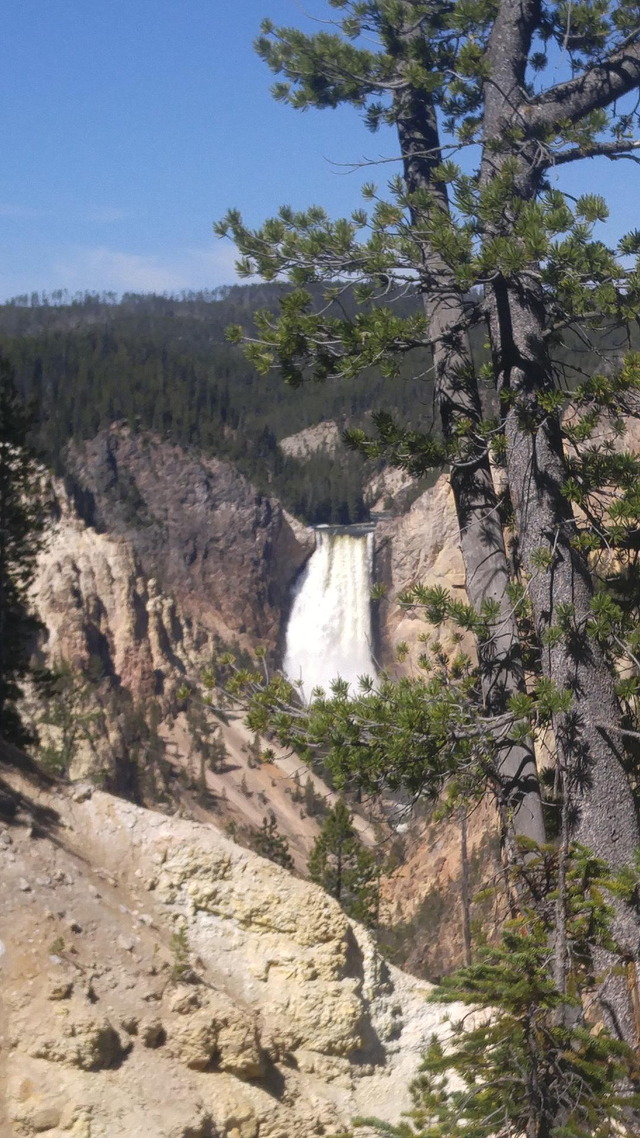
(477,507)
(587,739)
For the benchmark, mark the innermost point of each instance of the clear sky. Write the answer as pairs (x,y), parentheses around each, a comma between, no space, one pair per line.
(129,126)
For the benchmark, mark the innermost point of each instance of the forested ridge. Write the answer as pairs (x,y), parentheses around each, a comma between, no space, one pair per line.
(164,364)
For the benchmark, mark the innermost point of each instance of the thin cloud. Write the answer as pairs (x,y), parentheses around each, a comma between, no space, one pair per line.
(111,270)
(217,263)
(103,269)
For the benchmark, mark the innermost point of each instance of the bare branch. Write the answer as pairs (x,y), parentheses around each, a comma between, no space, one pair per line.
(594,89)
(611,150)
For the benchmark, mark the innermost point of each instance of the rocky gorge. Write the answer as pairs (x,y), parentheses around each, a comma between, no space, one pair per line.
(154,969)
(153,553)
(155,557)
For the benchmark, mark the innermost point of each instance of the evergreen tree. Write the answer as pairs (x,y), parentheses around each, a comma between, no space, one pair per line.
(71,717)
(270,843)
(20,535)
(207,743)
(523,1068)
(344,867)
(485,72)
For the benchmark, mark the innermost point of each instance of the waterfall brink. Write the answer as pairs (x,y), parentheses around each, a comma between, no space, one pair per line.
(329,629)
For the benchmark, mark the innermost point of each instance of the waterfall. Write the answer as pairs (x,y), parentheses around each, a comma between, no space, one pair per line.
(329,629)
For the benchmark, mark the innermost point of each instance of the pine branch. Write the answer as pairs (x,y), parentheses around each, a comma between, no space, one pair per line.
(611,150)
(593,90)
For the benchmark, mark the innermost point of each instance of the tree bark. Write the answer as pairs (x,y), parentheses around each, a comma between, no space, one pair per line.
(465,893)
(477,507)
(603,815)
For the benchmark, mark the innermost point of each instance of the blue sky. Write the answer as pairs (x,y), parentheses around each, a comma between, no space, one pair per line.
(129,126)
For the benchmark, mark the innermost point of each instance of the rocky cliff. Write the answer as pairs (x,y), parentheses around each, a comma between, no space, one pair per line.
(325,437)
(158,981)
(225,554)
(420,546)
(154,556)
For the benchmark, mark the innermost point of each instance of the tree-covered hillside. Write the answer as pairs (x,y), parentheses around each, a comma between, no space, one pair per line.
(165,364)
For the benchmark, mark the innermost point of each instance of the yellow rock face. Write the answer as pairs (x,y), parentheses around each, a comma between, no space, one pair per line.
(281,1021)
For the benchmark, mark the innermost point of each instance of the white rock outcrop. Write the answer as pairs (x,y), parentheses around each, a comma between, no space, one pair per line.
(326,437)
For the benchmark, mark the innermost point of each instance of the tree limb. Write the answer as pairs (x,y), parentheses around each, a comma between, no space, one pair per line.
(612,150)
(594,89)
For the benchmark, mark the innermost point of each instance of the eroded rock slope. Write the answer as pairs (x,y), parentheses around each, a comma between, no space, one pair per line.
(156,980)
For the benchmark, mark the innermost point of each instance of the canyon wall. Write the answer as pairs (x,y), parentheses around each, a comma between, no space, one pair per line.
(155,557)
(225,553)
(420,546)
(155,560)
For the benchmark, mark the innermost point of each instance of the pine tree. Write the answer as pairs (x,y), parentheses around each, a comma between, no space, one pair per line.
(72,711)
(20,536)
(484,73)
(270,843)
(342,865)
(530,1065)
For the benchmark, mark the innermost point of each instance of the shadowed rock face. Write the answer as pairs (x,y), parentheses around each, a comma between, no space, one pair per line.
(153,556)
(225,553)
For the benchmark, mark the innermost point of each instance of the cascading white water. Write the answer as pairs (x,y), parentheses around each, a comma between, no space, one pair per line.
(329,629)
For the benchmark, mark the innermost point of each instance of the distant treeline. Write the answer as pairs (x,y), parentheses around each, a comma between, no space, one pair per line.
(164,364)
